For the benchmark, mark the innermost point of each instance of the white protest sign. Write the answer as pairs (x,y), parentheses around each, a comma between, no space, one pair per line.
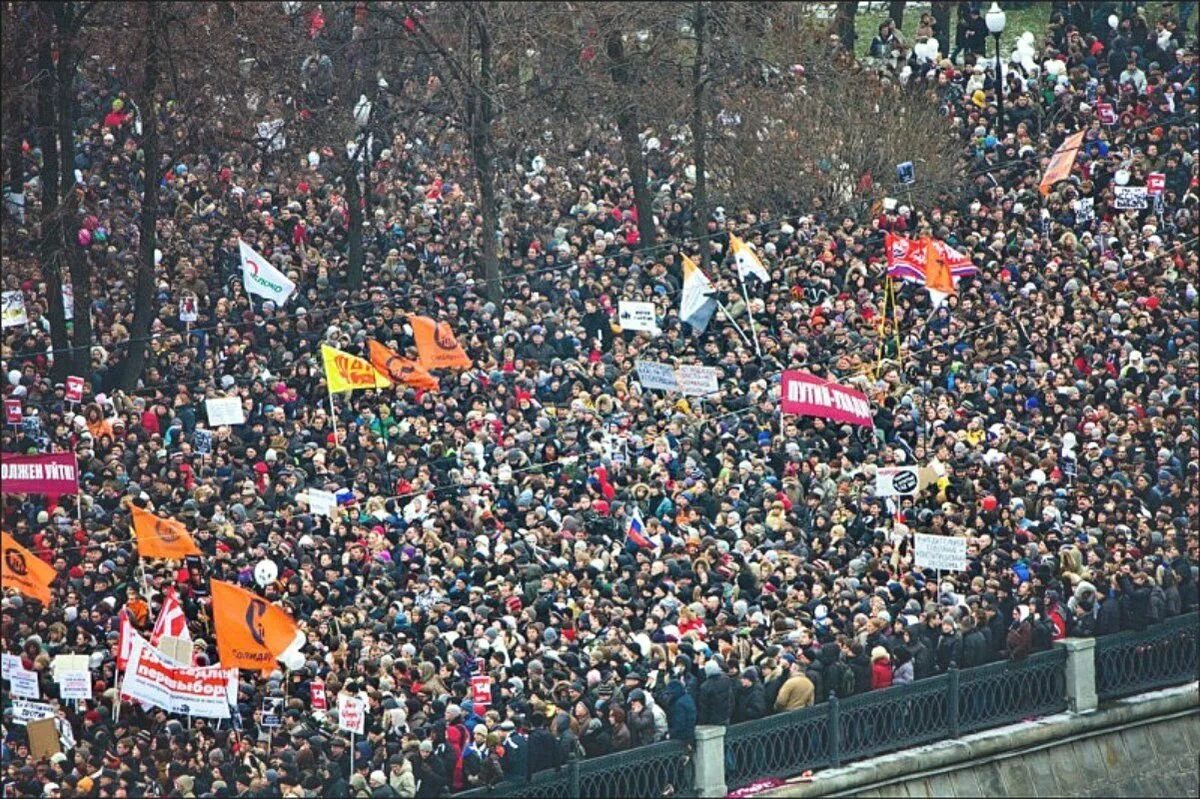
(25,711)
(697,381)
(63,664)
(1085,209)
(634,315)
(24,683)
(224,410)
(352,714)
(12,309)
(76,685)
(10,663)
(1131,198)
(658,376)
(189,308)
(897,481)
(152,678)
(944,552)
(322,503)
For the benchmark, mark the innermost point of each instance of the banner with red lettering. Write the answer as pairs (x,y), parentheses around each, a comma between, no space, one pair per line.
(803,394)
(153,679)
(53,474)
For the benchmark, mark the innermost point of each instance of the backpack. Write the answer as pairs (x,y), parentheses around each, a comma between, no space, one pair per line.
(842,680)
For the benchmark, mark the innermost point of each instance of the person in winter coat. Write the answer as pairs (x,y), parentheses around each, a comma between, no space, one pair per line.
(796,693)
(949,646)
(902,666)
(857,658)
(974,645)
(715,695)
(922,656)
(1135,599)
(544,750)
(621,738)
(432,779)
(681,712)
(751,702)
(400,776)
(641,719)
(516,751)
(881,668)
(1020,634)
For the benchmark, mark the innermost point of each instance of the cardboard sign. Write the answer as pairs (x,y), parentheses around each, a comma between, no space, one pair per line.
(656,376)
(177,649)
(697,381)
(43,738)
(633,315)
(24,683)
(224,410)
(944,552)
(1106,113)
(76,685)
(316,695)
(74,389)
(12,309)
(1131,198)
(272,712)
(12,411)
(25,711)
(352,714)
(897,481)
(481,690)
(1156,183)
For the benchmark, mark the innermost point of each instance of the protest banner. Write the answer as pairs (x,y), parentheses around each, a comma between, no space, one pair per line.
(12,309)
(322,503)
(64,664)
(152,678)
(803,394)
(9,662)
(1106,113)
(1156,183)
(940,552)
(202,440)
(697,381)
(656,376)
(1085,209)
(75,685)
(1131,198)
(189,308)
(272,712)
(316,695)
(633,315)
(12,411)
(352,714)
(56,473)
(224,410)
(24,683)
(73,389)
(481,690)
(897,481)
(25,711)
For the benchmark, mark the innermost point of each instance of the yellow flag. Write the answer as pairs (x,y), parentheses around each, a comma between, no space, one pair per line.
(345,372)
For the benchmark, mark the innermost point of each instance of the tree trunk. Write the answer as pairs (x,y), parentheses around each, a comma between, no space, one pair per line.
(354,272)
(700,138)
(627,125)
(896,12)
(481,113)
(50,234)
(144,310)
(941,24)
(78,264)
(843,24)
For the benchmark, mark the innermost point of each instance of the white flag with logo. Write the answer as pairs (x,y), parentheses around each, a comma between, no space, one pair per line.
(263,279)
(747,261)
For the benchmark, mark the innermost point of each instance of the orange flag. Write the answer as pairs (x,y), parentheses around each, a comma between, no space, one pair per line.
(25,571)
(1061,162)
(251,632)
(161,538)
(399,368)
(938,279)
(436,346)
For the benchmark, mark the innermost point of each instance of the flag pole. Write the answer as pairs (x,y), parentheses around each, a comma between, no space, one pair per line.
(333,417)
(749,311)
(733,322)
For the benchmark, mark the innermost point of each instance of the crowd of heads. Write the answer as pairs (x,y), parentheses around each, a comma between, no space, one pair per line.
(1050,404)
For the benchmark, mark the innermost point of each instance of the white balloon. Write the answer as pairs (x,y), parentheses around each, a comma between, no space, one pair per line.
(1122,177)
(1113,21)
(265,572)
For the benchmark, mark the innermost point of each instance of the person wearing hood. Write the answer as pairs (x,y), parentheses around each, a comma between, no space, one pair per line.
(881,669)
(751,700)
(716,696)
(641,718)
(400,777)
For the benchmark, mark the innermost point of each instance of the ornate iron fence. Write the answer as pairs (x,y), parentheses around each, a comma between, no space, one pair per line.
(777,746)
(661,769)
(1142,660)
(1004,692)
(895,718)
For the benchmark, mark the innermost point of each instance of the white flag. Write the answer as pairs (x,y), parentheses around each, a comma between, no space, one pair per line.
(695,306)
(263,279)
(747,262)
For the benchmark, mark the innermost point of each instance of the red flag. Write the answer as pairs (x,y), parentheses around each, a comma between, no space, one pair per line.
(171,620)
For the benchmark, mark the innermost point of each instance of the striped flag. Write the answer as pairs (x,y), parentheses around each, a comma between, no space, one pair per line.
(636,534)
(907,259)
(171,620)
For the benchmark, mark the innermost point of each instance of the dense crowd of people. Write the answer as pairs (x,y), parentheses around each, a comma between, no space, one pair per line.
(1053,397)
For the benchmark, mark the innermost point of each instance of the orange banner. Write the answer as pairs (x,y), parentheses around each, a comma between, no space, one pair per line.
(937,271)
(1061,162)
(251,632)
(161,538)
(25,571)
(400,369)
(436,346)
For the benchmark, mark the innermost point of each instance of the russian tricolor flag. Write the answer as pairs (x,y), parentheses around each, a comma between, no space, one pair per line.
(636,534)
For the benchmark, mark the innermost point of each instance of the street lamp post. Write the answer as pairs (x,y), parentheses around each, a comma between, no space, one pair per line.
(996,20)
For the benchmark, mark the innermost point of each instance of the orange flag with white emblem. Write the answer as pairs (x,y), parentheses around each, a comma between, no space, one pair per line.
(251,632)
(436,346)
(161,538)
(400,369)
(25,571)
